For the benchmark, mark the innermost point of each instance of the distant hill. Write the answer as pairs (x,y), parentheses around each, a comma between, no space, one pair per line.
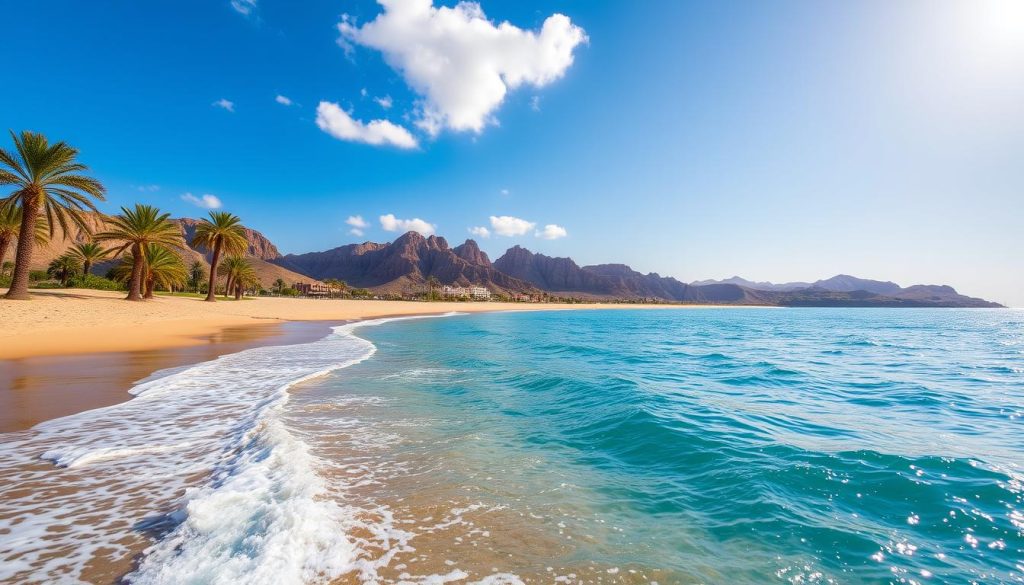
(261,250)
(405,265)
(846,290)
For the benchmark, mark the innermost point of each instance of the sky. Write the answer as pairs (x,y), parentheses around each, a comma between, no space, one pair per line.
(782,141)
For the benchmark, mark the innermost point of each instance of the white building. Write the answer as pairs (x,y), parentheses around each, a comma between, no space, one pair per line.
(479,293)
(460,292)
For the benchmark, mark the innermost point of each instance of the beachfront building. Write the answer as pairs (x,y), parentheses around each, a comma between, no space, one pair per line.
(455,292)
(479,293)
(312,289)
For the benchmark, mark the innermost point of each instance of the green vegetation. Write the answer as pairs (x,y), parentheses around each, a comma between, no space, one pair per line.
(196,276)
(48,182)
(223,233)
(240,276)
(64,268)
(139,228)
(88,253)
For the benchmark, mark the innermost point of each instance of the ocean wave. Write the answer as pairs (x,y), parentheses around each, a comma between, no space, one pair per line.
(199,461)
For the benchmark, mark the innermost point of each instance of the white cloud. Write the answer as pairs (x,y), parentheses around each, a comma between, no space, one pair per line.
(243,6)
(505,192)
(357,221)
(535,103)
(480,232)
(506,225)
(148,188)
(458,61)
(226,104)
(356,232)
(363,92)
(391,223)
(385,102)
(284,101)
(339,124)
(206,201)
(551,232)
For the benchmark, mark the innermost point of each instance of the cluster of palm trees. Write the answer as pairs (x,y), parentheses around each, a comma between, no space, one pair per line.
(52,191)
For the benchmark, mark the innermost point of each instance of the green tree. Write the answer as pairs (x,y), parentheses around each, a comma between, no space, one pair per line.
(162,267)
(137,228)
(279,285)
(64,267)
(432,284)
(10,227)
(223,233)
(49,182)
(88,253)
(239,273)
(196,274)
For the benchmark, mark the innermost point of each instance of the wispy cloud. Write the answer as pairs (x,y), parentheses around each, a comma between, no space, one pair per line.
(147,188)
(357,221)
(480,232)
(535,103)
(551,232)
(506,225)
(358,225)
(390,223)
(338,123)
(459,61)
(284,101)
(385,102)
(225,104)
(205,201)
(245,7)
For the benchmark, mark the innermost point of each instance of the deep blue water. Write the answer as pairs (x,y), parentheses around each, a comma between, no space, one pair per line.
(715,446)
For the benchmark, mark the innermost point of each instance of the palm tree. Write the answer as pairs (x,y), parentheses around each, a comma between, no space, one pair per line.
(64,267)
(162,267)
(279,285)
(137,228)
(196,273)
(432,283)
(223,233)
(10,227)
(88,253)
(48,182)
(240,275)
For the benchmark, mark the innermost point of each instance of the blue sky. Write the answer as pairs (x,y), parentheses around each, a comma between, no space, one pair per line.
(778,141)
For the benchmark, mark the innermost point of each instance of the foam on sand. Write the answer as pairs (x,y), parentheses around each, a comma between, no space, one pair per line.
(198,465)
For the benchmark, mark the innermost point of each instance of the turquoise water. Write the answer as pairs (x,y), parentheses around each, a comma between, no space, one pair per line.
(692,446)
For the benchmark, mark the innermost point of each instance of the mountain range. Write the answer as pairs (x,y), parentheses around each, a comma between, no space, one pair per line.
(404,265)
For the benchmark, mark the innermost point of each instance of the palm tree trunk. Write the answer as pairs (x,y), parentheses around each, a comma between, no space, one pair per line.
(211,294)
(86,266)
(238,291)
(5,242)
(135,284)
(227,286)
(23,255)
(150,285)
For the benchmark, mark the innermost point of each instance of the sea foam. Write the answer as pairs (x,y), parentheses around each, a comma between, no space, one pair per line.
(199,465)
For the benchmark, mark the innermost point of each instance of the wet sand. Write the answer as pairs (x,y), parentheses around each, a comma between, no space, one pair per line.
(36,389)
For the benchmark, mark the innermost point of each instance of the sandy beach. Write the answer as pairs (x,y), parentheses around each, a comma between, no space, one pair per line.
(77,321)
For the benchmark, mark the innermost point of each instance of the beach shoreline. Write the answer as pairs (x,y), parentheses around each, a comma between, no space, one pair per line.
(64,322)
(42,388)
(47,343)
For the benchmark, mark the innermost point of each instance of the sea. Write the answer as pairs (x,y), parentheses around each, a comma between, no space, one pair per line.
(704,445)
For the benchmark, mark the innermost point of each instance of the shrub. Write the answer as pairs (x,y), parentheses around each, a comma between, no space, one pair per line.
(289,292)
(96,282)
